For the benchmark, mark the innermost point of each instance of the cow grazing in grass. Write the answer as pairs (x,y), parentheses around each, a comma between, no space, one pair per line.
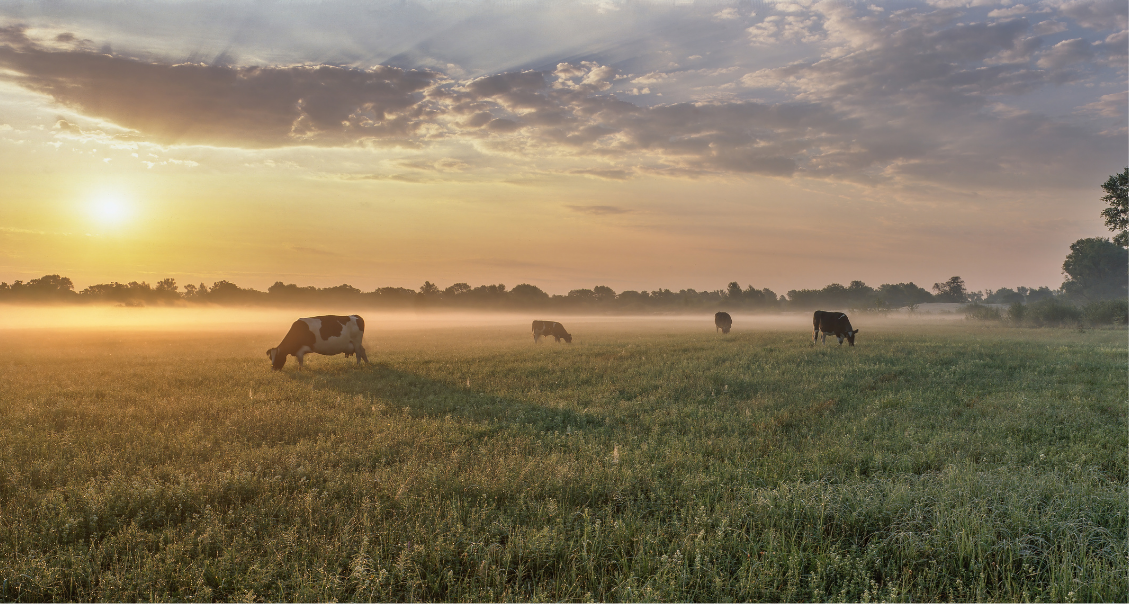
(546,328)
(722,322)
(833,323)
(326,335)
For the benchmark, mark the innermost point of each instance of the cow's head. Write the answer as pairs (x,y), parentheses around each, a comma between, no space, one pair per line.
(568,338)
(274,353)
(852,337)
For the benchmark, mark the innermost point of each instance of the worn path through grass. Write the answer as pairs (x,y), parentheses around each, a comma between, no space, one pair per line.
(646,462)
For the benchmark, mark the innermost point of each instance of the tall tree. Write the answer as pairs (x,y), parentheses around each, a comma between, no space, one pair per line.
(1115,216)
(1097,270)
(951,291)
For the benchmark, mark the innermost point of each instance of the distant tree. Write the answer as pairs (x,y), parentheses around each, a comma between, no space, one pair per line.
(1005,296)
(763,299)
(53,288)
(526,295)
(52,283)
(604,294)
(167,285)
(190,290)
(582,296)
(951,291)
(1096,269)
(392,296)
(663,297)
(632,299)
(1115,216)
(457,289)
(429,289)
(225,292)
(902,295)
(860,295)
(734,292)
(1039,294)
(48,288)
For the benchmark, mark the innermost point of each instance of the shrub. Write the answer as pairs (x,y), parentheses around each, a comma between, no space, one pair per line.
(1052,312)
(975,311)
(1106,312)
(1017,312)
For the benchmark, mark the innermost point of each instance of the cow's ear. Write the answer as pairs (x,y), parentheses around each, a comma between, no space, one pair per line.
(856,331)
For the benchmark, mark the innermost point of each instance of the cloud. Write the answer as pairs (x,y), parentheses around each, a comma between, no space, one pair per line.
(307,250)
(599,210)
(1093,14)
(1066,53)
(220,105)
(611,174)
(1111,106)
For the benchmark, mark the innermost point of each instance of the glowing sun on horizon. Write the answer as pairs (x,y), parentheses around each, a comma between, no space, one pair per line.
(110,210)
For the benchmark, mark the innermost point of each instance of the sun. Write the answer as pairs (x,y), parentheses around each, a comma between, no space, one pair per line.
(110,209)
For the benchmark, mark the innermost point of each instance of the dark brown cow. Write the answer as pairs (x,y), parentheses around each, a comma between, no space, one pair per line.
(833,323)
(546,328)
(722,322)
(327,335)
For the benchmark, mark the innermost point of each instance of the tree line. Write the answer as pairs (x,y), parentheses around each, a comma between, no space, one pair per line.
(599,299)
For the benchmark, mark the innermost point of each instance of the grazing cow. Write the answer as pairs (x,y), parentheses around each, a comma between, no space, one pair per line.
(326,335)
(546,328)
(722,321)
(833,323)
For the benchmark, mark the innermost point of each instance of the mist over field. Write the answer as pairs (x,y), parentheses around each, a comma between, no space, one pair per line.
(267,319)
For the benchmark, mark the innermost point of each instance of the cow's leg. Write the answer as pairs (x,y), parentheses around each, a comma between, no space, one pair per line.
(361,356)
(815,331)
(299,356)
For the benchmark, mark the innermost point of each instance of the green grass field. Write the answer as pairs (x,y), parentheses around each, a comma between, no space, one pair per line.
(649,461)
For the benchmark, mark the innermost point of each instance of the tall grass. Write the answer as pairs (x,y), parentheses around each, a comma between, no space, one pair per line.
(935,464)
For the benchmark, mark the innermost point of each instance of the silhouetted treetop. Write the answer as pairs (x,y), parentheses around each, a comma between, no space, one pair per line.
(1115,216)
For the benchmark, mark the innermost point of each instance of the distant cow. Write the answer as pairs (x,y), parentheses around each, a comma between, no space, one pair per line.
(722,321)
(833,323)
(326,335)
(545,328)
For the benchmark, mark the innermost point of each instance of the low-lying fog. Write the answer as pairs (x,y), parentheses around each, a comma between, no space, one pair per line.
(259,319)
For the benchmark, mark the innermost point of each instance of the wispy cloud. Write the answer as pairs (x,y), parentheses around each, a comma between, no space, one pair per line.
(599,210)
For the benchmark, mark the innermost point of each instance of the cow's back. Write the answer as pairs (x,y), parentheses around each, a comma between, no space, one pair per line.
(337,334)
(833,322)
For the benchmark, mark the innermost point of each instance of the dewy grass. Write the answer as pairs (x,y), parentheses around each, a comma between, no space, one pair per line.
(933,463)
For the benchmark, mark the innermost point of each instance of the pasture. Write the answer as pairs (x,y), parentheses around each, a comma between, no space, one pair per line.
(651,460)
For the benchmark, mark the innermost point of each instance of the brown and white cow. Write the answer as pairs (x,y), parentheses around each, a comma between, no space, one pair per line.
(833,323)
(326,335)
(546,328)
(722,322)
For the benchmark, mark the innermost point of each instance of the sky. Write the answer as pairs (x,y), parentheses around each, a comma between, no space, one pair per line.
(565,144)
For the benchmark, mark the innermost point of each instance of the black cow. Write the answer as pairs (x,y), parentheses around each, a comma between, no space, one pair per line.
(833,323)
(722,321)
(546,328)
